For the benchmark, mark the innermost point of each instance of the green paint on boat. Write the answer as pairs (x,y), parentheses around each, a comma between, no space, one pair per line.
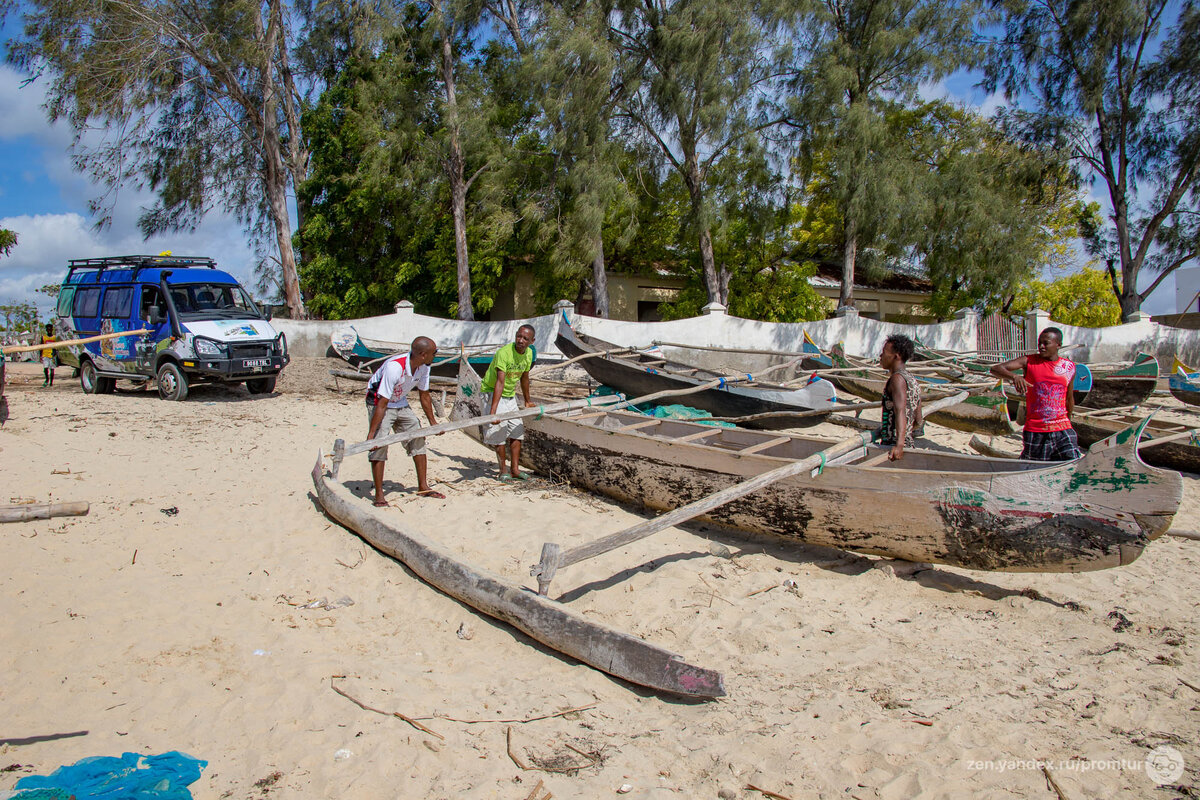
(985,401)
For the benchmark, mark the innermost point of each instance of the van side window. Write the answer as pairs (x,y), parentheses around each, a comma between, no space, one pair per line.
(65,295)
(118,302)
(86,303)
(152,297)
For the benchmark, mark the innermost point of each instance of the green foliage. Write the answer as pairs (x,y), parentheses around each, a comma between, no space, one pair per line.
(194,100)
(19,317)
(1084,299)
(8,240)
(860,60)
(986,211)
(1115,81)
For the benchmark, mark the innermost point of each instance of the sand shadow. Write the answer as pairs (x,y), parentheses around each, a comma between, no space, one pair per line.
(47,737)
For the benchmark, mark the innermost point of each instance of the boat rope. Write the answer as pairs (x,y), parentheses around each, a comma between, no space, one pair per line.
(721,384)
(749,377)
(541,413)
(821,468)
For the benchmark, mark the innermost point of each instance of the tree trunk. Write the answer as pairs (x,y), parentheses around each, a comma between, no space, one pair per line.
(849,253)
(458,186)
(599,280)
(275,172)
(716,281)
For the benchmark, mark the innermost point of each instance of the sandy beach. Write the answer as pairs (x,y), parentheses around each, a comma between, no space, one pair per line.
(206,604)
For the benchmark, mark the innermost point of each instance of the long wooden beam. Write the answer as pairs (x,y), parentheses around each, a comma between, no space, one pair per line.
(29,348)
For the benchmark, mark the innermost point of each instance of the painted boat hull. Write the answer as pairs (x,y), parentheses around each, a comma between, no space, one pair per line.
(1179,455)
(1184,384)
(986,412)
(1130,386)
(960,510)
(547,621)
(733,400)
(356,350)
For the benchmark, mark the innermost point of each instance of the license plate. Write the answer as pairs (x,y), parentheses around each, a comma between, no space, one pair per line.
(257,362)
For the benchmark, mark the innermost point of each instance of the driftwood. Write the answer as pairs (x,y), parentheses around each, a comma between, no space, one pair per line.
(21,513)
(29,348)
(1193,535)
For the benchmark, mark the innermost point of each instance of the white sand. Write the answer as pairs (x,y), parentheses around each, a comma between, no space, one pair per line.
(200,644)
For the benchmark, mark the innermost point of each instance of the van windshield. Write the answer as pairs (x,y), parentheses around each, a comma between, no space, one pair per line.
(199,301)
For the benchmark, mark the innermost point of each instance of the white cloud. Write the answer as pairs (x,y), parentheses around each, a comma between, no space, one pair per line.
(47,241)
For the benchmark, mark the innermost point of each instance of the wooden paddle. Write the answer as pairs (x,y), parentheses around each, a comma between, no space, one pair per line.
(28,348)
(553,556)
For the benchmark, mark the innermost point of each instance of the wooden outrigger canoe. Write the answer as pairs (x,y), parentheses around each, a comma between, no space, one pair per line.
(1185,383)
(348,344)
(1117,388)
(548,621)
(639,374)
(947,508)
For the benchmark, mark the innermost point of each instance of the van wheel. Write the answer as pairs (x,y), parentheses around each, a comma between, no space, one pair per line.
(91,382)
(172,383)
(261,385)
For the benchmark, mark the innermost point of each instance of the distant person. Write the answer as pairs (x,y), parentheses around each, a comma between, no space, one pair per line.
(1049,400)
(509,366)
(48,357)
(902,415)
(389,412)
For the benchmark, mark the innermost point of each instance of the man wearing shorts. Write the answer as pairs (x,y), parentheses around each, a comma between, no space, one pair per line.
(509,367)
(1049,400)
(389,412)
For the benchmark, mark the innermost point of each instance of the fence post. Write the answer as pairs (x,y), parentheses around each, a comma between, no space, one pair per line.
(1035,320)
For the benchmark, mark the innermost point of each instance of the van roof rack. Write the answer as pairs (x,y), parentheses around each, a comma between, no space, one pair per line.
(138,263)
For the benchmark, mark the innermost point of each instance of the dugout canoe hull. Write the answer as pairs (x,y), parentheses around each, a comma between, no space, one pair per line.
(1182,455)
(945,508)
(552,623)
(630,375)
(1129,386)
(1184,384)
(985,412)
(356,350)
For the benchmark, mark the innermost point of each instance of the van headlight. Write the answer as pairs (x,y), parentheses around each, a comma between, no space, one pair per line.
(281,345)
(208,348)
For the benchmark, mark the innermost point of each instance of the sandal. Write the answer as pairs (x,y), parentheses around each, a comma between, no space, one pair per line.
(506,478)
(524,476)
(434,493)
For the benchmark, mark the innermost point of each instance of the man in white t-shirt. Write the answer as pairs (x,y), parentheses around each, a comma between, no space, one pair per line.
(389,412)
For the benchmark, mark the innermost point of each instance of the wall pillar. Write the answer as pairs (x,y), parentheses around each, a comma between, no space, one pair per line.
(405,308)
(713,309)
(1035,321)
(565,307)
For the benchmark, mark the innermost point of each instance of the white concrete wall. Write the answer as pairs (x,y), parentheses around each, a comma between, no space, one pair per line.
(860,336)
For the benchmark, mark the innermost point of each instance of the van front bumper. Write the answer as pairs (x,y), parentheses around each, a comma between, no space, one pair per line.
(236,369)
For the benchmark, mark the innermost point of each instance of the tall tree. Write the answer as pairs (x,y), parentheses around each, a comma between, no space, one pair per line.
(856,60)
(196,100)
(1116,80)
(697,71)
(984,211)
(8,240)
(575,63)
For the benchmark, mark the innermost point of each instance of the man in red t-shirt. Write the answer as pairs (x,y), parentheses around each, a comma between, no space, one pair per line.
(1049,402)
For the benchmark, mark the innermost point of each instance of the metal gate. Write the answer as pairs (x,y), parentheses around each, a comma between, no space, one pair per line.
(999,338)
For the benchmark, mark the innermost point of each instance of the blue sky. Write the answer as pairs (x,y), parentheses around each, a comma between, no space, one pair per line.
(46,203)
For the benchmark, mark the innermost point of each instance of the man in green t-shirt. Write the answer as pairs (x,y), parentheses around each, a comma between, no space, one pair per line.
(509,367)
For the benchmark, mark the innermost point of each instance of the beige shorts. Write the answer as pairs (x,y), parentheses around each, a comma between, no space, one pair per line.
(395,420)
(496,435)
